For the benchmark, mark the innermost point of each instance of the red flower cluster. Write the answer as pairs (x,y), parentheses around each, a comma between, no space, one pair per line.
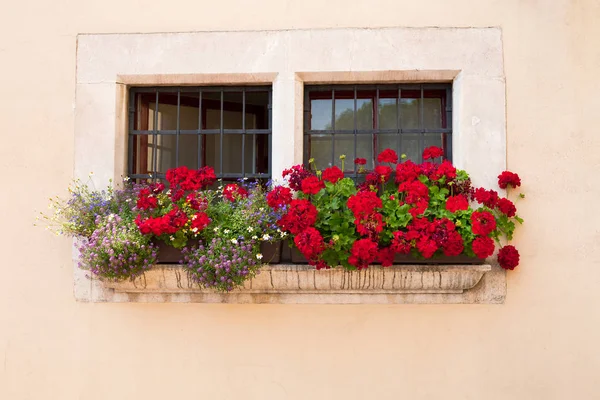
(383,173)
(167,224)
(507,207)
(508,178)
(278,197)
(333,174)
(360,161)
(364,206)
(312,185)
(486,197)
(417,194)
(363,253)
(431,236)
(432,152)
(483,246)
(146,199)
(295,176)
(483,223)
(456,203)
(388,155)
(196,201)
(301,215)
(233,192)
(407,172)
(199,222)
(188,179)
(386,256)
(445,169)
(508,257)
(310,243)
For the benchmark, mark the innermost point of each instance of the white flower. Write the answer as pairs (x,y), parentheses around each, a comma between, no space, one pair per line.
(169,191)
(266,237)
(216,229)
(250,229)
(172,238)
(234,241)
(283,234)
(259,256)
(194,230)
(194,217)
(226,231)
(261,209)
(254,237)
(126,179)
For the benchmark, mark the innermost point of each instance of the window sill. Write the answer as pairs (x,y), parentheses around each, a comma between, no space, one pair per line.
(303,284)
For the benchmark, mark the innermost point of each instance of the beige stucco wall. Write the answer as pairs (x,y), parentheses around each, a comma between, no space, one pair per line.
(540,344)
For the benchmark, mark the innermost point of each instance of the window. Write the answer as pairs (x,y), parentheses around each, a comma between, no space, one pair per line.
(363,120)
(228,128)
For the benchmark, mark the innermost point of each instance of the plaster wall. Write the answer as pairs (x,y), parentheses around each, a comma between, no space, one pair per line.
(540,344)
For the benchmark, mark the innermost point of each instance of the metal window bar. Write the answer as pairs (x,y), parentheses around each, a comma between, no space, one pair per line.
(445,130)
(152,169)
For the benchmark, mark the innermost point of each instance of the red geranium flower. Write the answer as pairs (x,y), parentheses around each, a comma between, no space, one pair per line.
(388,155)
(360,161)
(483,222)
(483,246)
(486,197)
(386,256)
(383,173)
(312,185)
(364,203)
(508,178)
(278,197)
(444,169)
(456,203)
(401,243)
(432,152)
(146,200)
(508,257)
(453,246)
(233,192)
(295,176)
(427,247)
(507,207)
(363,253)
(199,222)
(407,172)
(333,174)
(310,243)
(301,215)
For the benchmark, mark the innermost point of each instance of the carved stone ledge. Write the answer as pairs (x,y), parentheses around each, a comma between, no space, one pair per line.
(304,284)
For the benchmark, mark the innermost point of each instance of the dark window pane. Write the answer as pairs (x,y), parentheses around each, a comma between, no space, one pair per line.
(141,154)
(364,149)
(211,110)
(432,139)
(232,108)
(257,110)
(188,151)
(388,141)
(164,148)
(344,145)
(432,111)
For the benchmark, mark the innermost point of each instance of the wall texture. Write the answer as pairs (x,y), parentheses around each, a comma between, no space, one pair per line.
(541,344)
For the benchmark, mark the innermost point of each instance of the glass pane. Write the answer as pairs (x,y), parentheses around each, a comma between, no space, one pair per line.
(212,155)
(189,112)
(409,113)
(188,151)
(432,111)
(165,146)
(320,150)
(344,110)
(388,141)
(344,145)
(211,105)
(261,153)
(364,149)
(142,154)
(232,154)
(364,112)
(320,114)
(232,111)
(411,146)
(257,110)
(388,113)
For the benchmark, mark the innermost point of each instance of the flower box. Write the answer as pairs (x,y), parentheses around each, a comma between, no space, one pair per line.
(168,254)
(271,252)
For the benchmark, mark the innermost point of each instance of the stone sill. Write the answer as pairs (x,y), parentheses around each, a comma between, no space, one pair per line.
(303,284)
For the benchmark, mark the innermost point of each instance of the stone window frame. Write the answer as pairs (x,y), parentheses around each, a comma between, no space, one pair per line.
(470,58)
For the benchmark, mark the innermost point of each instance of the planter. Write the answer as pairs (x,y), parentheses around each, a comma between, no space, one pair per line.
(462,259)
(271,252)
(170,255)
(297,256)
